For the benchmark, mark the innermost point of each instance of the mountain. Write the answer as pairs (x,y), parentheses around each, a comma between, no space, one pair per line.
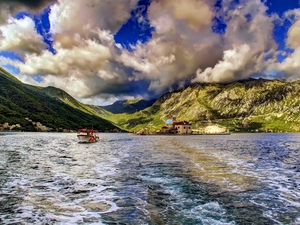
(69,100)
(246,106)
(35,108)
(128,106)
(254,105)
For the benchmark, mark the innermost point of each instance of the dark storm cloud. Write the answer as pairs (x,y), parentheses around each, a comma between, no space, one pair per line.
(9,8)
(122,84)
(32,4)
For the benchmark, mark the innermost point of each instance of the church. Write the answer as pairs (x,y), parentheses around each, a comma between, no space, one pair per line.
(175,127)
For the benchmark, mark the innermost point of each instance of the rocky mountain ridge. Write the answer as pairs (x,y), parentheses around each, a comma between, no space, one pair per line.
(246,106)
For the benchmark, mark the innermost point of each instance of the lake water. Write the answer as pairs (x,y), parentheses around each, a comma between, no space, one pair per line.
(49,178)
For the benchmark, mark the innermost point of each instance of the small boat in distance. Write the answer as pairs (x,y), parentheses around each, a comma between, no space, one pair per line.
(87,135)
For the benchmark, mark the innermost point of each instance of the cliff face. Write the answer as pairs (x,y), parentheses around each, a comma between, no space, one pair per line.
(256,104)
(253,105)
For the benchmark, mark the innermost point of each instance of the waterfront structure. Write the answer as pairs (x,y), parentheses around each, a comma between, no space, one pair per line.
(176,127)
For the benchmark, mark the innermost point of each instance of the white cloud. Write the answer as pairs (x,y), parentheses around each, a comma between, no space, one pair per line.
(238,63)
(293,36)
(89,64)
(289,68)
(84,70)
(181,43)
(71,69)
(100,66)
(5,61)
(84,17)
(196,14)
(248,41)
(293,39)
(88,57)
(20,35)
(84,63)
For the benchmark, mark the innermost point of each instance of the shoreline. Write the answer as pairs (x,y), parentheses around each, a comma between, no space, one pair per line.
(153,134)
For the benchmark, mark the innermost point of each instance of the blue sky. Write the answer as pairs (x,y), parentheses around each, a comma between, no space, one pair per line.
(280,7)
(126,49)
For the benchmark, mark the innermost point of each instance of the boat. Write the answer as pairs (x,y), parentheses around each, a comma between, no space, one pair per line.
(87,135)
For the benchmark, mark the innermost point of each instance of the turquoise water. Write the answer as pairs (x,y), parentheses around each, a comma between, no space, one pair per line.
(49,178)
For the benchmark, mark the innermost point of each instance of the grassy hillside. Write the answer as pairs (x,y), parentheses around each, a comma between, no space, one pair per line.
(249,106)
(19,101)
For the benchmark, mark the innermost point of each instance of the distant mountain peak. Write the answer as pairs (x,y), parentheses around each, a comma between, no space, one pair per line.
(129,106)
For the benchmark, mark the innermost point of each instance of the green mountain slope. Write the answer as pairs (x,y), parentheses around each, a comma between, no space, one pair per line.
(248,106)
(69,100)
(19,101)
(128,106)
(4,72)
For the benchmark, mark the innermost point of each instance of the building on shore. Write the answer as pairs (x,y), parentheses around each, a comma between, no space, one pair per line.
(211,129)
(176,127)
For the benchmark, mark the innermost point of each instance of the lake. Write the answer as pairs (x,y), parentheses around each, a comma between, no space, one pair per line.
(50,178)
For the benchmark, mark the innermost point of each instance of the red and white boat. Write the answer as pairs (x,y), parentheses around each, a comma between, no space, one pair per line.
(87,135)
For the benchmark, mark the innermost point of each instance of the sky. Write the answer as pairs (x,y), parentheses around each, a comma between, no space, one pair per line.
(101,51)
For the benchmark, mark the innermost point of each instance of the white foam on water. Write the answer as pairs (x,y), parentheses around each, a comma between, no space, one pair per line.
(68,220)
(52,198)
(291,197)
(62,166)
(212,206)
(26,211)
(104,170)
(113,207)
(270,166)
(272,216)
(284,189)
(297,221)
(208,214)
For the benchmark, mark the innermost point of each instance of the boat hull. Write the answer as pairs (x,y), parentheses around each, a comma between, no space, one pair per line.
(87,139)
